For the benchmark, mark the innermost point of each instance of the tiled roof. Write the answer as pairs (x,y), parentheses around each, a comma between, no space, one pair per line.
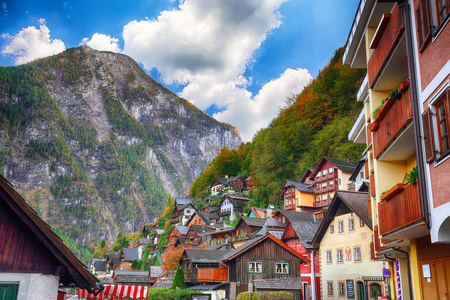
(272,222)
(130,254)
(342,164)
(278,284)
(205,256)
(300,186)
(255,222)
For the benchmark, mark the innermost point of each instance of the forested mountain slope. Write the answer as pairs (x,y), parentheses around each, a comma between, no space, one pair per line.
(315,123)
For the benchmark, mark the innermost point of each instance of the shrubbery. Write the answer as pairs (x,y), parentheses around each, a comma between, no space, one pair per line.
(169,294)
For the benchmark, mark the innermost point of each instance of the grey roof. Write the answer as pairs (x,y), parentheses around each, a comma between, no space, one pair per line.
(206,287)
(243,246)
(278,284)
(220,231)
(182,229)
(207,217)
(159,231)
(342,164)
(201,229)
(272,222)
(114,258)
(162,284)
(156,271)
(358,167)
(130,254)
(131,276)
(205,256)
(144,241)
(181,200)
(233,179)
(306,172)
(297,216)
(131,272)
(300,186)
(184,205)
(238,198)
(254,222)
(100,265)
(305,231)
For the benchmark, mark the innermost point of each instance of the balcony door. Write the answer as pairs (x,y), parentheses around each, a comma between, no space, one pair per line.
(435,275)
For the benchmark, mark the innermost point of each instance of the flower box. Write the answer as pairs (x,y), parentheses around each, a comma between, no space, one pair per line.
(395,190)
(403,87)
(374,126)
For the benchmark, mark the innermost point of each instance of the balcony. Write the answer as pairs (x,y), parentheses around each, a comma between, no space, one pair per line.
(392,121)
(289,195)
(289,207)
(398,209)
(212,275)
(385,40)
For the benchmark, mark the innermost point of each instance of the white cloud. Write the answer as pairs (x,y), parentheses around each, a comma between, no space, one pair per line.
(31,43)
(205,45)
(102,42)
(251,114)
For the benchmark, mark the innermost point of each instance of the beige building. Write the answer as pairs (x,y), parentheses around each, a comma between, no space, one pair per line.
(345,255)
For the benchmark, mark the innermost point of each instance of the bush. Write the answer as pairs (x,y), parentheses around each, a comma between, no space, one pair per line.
(265,296)
(169,294)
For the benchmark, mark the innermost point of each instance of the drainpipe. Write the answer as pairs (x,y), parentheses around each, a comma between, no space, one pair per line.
(409,271)
(389,279)
(313,277)
(404,5)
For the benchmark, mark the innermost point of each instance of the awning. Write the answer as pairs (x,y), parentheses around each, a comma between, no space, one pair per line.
(116,292)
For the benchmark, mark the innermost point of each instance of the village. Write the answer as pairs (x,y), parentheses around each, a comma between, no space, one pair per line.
(374,229)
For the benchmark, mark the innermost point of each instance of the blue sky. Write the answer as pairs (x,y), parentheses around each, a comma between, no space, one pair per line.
(238,60)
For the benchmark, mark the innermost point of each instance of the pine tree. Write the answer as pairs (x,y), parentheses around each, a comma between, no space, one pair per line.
(178,280)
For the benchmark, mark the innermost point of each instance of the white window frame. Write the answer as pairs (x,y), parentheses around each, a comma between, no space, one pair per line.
(340,226)
(340,255)
(351,224)
(284,267)
(329,257)
(255,267)
(329,288)
(341,288)
(357,253)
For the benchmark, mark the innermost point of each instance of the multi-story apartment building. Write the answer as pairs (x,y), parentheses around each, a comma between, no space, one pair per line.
(330,175)
(297,196)
(404,46)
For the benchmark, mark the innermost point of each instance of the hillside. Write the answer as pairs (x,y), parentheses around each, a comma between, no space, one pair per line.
(96,146)
(315,123)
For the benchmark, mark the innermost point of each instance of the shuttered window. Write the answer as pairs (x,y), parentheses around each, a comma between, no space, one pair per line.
(442,117)
(423,24)
(428,135)
(8,291)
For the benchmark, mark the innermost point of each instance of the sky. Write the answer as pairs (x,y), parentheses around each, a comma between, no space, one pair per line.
(237,60)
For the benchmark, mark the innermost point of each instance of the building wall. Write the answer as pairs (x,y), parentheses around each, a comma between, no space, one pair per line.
(306,199)
(33,286)
(348,269)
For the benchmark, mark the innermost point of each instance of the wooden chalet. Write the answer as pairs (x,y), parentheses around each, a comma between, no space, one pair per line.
(178,232)
(219,236)
(247,226)
(200,218)
(297,196)
(34,262)
(229,205)
(308,177)
(203,266)
(250,184)
(264,257)
(209,209)
(239,184)
(182,211)
(196,234)
(220,185)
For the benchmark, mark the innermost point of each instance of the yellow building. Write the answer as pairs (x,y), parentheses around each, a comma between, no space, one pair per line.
(297,196)
(344,237)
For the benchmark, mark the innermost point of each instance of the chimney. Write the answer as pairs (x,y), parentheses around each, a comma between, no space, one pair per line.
(226,176)
(270,210)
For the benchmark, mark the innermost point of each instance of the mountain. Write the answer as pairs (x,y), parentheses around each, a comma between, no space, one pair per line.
(315,123)
(96,146)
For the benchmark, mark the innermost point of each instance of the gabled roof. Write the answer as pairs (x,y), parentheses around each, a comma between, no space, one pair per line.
(155,272)
(100,265)
(254,222)
(308,173)
(236,200)
(297,216)
(182,229)
(305,229)
(233,179)
(202,229)
(76,272)
(272,222)
(341,164)
(185,205)
(159,231)
(358,167)
(204,256)
(258,240)
(221,180)
(351,201)
(181,200)
(278,284)
(299,186)
(130,254)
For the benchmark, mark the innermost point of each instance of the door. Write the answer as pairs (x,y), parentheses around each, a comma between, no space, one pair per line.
(305,291)
(435,275)
(360,290)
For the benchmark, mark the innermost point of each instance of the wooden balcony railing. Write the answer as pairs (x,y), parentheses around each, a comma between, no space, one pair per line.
(212,275)
(289,207)
(369,204)
(396,118)
(387,42)
(187,276)
(372,189)
(399,209)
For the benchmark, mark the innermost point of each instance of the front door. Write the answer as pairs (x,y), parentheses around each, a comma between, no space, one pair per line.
(360,290)
(435,275)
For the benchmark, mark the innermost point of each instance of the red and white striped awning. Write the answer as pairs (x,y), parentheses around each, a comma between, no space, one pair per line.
(117,292)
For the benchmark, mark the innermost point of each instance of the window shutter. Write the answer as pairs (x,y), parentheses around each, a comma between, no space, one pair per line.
(428,135)
(423,24)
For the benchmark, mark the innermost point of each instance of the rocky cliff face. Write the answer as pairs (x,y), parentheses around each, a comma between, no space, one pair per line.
(96,146)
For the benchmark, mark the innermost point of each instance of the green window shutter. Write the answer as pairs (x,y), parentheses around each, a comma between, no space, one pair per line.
(9,291)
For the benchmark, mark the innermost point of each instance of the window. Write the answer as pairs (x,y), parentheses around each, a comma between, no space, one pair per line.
(255,267)
(442,122)
(341,289)
(331,182)
(442,7)
(339,181)
(339,255)
(361,223)
(351,225)
(330,171)
(331,228)
(340,226)
(318,198)
(9,290)
(317,186)
(282,268)
(330,288)
(329,257)
(357,252)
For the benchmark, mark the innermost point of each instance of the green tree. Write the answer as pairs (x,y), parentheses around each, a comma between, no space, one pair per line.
(178,280)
